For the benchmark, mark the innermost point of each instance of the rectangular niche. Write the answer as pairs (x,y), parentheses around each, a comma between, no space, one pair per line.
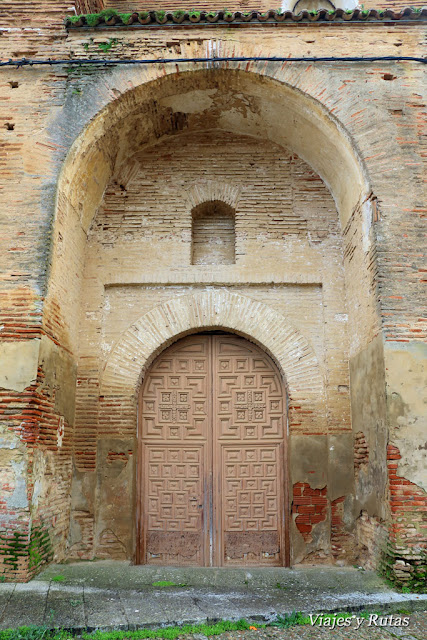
(213,233)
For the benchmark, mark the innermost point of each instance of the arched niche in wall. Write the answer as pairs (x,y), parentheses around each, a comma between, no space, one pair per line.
(213,233)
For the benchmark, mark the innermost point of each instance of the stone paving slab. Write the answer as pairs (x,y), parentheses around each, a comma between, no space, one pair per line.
(24,608)
(234,605)
(117,596)
(65,607)
(173,608)
(121,575)
(6,591)
(104,610)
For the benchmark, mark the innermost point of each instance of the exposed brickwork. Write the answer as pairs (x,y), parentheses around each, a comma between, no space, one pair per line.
(87,408)
(361,451)
(91,6)
(342,540)
(114,456)
(109,546)
(310,505)
(371,538)
(407,551)
(14,556)
(32,417)
(234,5)
(20,314)
(363,266)
(124,6)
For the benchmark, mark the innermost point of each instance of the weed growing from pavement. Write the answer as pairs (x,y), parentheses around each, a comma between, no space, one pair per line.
(290,620)
(170,633)
(34,633)
(168,583)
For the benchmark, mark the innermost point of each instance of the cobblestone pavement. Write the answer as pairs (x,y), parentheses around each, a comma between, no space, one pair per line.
(368,630)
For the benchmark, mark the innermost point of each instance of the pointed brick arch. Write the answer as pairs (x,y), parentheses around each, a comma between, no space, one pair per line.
(158,328)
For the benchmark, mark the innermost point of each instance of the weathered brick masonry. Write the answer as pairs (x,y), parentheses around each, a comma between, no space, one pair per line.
(102,168)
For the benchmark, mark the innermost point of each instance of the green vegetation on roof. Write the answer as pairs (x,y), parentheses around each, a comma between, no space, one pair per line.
(160,16)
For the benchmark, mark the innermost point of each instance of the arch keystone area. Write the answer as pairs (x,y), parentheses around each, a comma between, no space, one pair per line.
(217,308)
(212,190)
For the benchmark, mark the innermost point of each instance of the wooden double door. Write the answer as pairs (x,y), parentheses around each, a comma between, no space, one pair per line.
(212,477)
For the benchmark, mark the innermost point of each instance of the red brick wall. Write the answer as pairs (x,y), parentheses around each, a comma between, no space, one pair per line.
(310,505)
(407,551)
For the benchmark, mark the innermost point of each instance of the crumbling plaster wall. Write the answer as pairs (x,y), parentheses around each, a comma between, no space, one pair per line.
(37,417)
(47,111)
(406,398)
(406,402)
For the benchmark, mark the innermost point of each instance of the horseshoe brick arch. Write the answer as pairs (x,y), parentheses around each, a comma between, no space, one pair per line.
(218,308)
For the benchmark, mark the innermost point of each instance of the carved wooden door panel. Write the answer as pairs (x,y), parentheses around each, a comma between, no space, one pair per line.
(176,403)
(248,453)
(212,456)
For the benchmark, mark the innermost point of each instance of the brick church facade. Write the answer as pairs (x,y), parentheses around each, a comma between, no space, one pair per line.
(212,332)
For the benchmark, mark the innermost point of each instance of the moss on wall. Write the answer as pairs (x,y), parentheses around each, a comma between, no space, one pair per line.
(408,573)
(18,551)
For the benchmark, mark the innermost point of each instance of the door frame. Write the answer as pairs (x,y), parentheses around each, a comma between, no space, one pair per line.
(140,551)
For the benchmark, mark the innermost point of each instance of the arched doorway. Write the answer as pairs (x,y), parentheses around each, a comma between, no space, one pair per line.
(212,477)
(140,292)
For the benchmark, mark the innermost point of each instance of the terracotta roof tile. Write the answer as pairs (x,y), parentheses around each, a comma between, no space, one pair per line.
(226,17)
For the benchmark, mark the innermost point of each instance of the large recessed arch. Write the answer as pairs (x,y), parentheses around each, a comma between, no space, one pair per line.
(106,151)
(272,109)
(136,109)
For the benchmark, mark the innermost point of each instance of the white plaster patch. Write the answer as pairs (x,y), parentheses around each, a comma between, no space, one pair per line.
(366,225)
(191,102)
(5,443)
(60,432)
(18,364)
(18,499)
(407,378)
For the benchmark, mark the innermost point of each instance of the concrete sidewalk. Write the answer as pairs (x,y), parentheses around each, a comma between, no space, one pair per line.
(114,595)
